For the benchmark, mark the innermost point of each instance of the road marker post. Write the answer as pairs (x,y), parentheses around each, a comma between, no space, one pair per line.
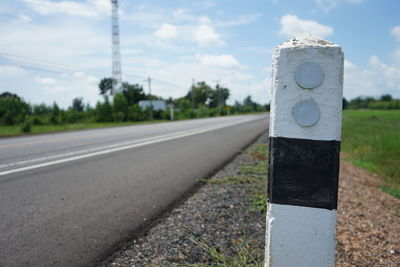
(304,145)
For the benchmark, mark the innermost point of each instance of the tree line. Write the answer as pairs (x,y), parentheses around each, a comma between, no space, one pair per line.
(385,101)
(201,100)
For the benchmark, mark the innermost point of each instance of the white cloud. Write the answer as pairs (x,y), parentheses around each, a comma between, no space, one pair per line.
(7,70)
(376,79)
(205,35)
(45,80)
(260,49)
(85,77)
(183,14)
(56,41)
(349,65)
(241,20)
(222,61)
(204,4)
(126,52)
(292,26)
(328,5)
(355,1)
(166,32)
(102,6)
(379,78)
(24,18)
(92,8)
(395,31)
(65,7)
(396,54)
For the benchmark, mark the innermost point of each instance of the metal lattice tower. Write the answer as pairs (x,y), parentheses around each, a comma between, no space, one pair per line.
(116,56)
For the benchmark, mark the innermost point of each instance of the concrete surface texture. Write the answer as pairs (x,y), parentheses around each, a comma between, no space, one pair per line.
(287,58)
(305,133)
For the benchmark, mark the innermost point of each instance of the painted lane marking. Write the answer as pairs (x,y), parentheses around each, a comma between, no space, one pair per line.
(90,150)
(79,137)
(116,149)
(53,140)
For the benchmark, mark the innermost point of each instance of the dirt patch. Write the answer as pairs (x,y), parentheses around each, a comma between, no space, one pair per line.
(368,228)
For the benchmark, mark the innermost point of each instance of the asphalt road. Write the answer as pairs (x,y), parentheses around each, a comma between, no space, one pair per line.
(66,199)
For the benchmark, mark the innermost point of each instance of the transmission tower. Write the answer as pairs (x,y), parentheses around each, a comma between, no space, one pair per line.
(116,56)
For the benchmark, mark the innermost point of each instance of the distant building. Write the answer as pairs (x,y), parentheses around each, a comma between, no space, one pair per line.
(157,104)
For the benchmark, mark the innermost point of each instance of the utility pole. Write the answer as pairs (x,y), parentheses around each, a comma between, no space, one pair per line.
(151,103)
(218,96)
(116,56)
(192,93)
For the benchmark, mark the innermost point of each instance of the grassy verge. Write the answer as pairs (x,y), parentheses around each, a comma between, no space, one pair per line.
(245,255)
(254,176)
(371,140)
(15,130)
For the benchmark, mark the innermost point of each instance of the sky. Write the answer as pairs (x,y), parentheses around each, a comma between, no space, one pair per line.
(58,50)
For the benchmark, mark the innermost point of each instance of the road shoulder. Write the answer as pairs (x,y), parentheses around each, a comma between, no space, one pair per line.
(223,223)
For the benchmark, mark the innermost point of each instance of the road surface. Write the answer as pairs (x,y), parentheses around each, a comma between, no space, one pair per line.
(66,199)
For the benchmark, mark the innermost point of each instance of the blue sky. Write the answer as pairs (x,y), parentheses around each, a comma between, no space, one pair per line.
(58,50)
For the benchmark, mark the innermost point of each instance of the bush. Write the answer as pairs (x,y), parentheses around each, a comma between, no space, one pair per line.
(26,127)
(104,111)
(135,113)
(119,116)
(54,119)
(37,121)
(13,110)
(393,104)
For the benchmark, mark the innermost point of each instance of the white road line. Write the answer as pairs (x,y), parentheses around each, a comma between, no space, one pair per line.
(109,150)
(87,150)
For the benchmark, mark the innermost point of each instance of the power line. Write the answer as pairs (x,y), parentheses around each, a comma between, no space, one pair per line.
(48,66)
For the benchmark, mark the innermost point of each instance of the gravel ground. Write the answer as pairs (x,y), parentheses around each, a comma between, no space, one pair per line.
(223,223)
(368,229)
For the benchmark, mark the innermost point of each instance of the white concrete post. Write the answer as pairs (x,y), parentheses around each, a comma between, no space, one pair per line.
(171,111)
(305,128)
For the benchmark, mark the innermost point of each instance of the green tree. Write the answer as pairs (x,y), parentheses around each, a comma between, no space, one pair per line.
(249,104)
(361,102)
(386,97)
(41,109)
(219,96)
(135,113)
(201,94)
(105,86)
(104,111)
(55,113)
(120,107)
(77,104)
(133,93)
(183,104)
(13,109)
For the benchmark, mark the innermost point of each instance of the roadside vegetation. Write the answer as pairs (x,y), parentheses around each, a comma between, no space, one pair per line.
(253,176)
(371,140)
(18,117)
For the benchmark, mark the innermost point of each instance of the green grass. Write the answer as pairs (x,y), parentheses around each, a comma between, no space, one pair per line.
(15,130)
(246,255)
(371,140)
(254,176)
